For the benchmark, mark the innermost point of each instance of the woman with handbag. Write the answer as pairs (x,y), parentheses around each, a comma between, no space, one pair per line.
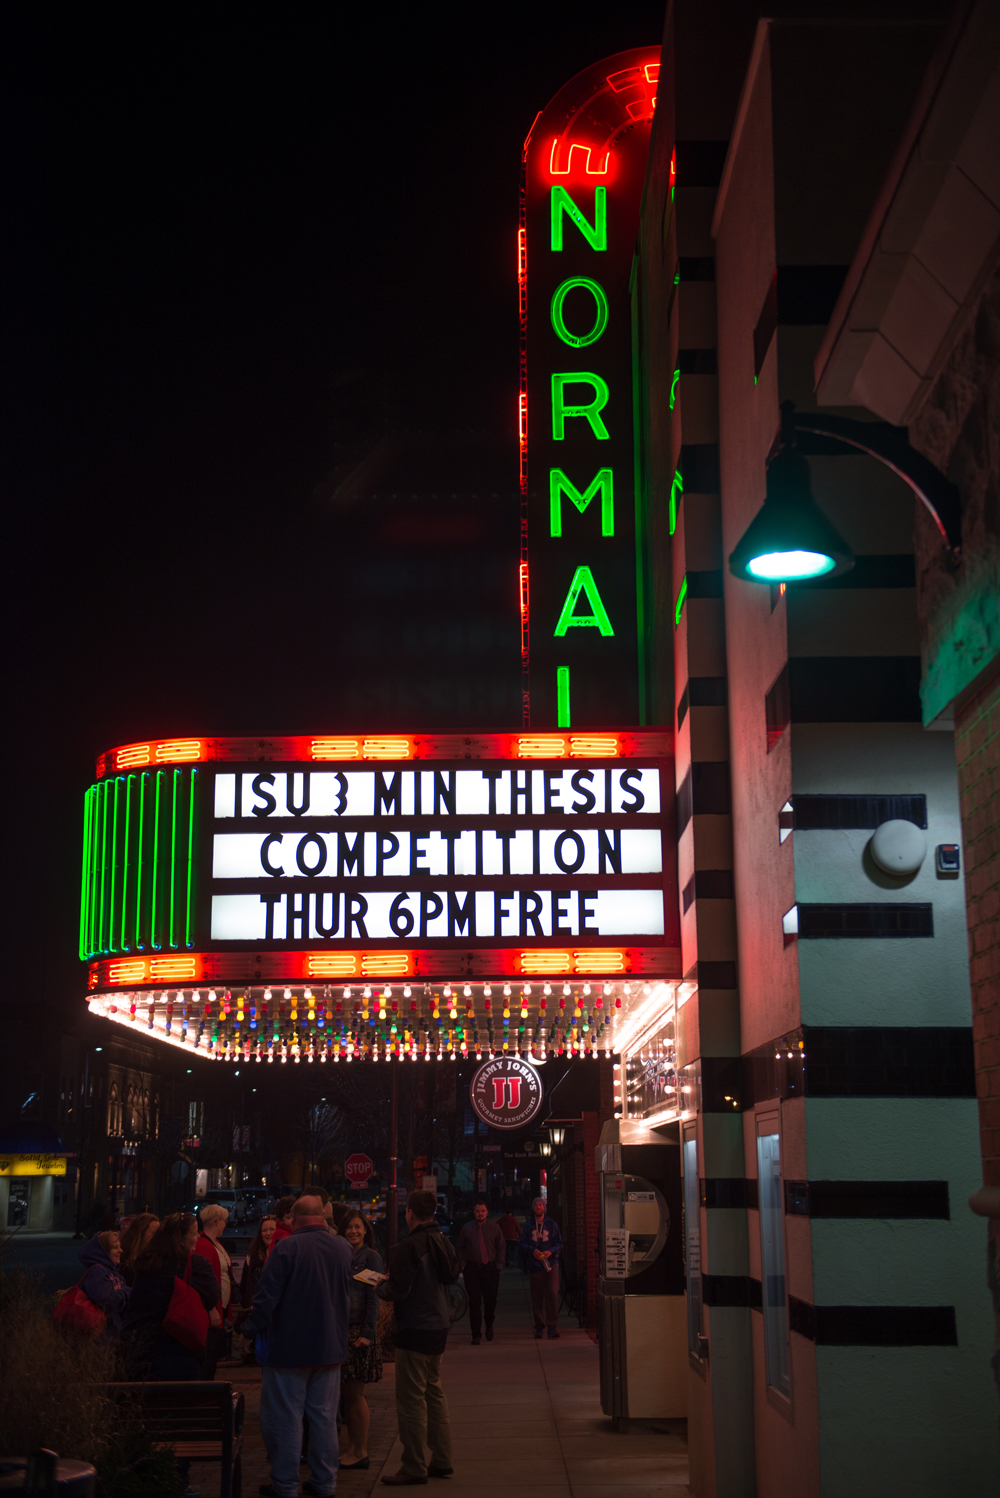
(97,1302)
(255,1261)
(211,1226)
(157,1351)
(364,1352)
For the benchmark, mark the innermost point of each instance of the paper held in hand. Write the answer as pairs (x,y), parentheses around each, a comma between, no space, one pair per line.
(369,1277)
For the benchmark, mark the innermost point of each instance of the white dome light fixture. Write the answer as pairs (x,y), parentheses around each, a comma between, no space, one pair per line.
(898,847)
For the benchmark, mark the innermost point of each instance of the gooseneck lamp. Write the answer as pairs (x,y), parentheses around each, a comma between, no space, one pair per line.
(791,540)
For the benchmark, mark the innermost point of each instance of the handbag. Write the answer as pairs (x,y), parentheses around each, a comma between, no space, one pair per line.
(77,1311)
(186,1319)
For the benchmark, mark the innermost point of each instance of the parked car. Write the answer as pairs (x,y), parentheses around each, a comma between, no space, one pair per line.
(257,1199)
(230,1198)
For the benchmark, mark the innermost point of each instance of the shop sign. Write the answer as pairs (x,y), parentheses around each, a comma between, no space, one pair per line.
(506,1093)
(32,1165)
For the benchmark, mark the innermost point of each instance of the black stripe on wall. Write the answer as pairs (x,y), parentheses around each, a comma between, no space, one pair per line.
(731,1290)
(895,1199)
(873,1326)
(882,921)
(826,813)
(704,791)
(697,361)
(839,1061)
(699,465)
(729,1191)
(855,688)
(696,267)
(702,691)
(889,1061)
(708,884)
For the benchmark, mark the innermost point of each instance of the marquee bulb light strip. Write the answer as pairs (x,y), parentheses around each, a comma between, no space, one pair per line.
(390,747)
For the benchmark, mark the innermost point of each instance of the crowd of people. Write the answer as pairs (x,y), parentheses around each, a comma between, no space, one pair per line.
(316,1308)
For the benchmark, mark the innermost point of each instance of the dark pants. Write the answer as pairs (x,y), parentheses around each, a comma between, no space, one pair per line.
(512,1246)
(215,1348)
(545,1296)
(482,1281)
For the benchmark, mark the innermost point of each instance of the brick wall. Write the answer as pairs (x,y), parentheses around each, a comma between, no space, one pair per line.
(977,749)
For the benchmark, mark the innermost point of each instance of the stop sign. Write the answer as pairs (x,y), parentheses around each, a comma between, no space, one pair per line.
(358,1168)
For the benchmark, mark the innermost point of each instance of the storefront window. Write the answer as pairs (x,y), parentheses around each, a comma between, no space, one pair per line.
(772,1253)
(692,1244)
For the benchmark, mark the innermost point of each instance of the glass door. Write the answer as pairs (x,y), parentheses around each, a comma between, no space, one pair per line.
(772,1254)
(692,1244)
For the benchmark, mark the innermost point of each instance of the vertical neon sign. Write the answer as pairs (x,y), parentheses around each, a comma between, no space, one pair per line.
(584,169)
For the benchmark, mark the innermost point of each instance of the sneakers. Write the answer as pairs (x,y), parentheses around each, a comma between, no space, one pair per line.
(314,1492)
(440,1471)
(489,1334)
(552,1334)
(539,1332)
(476,1339)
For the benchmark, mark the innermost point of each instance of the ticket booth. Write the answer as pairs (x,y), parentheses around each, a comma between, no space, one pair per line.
(641,1300)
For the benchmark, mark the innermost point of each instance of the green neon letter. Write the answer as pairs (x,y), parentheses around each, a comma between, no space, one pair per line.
(591,410)
(559,321)
(561,202)
(682,594)
(583,582)
(676,490)
(562,697)
(559,485)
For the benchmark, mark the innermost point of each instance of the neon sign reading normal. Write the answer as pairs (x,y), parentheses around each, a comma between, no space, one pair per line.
(584,164)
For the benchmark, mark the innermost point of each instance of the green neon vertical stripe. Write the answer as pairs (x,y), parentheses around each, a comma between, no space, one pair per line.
(139,859)
(682,594)
(640,428)
(562,696)
(188,936)
(95,832)
(104,863)
(114,865)
(84,879)
(156,863)
(128,828)
(173,854)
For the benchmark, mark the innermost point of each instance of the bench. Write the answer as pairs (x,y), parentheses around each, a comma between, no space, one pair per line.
(202,1422)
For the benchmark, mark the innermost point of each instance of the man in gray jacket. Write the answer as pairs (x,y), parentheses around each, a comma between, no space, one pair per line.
(301,1312)
(482,1249)
(421,1268)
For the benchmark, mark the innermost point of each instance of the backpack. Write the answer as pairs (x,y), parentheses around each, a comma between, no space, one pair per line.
(444,1260)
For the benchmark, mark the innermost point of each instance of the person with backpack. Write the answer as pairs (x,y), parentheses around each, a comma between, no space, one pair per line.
(102,1282)
(421,1268)
(167,1258)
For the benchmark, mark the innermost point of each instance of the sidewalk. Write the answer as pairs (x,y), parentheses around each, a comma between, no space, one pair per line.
(526,1422)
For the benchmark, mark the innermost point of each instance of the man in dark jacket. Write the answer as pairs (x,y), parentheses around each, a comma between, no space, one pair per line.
(421,1268)
(482,1249)
(542,1242)
(301,1311)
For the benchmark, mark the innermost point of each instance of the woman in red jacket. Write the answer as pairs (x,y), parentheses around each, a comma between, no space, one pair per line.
(211,1224)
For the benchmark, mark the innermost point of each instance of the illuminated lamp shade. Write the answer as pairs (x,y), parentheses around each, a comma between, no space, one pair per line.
(790,539)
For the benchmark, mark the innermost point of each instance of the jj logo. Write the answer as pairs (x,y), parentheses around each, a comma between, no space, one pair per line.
(503,1085)
(506,1092)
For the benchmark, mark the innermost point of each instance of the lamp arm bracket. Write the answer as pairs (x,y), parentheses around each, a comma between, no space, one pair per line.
(891,446)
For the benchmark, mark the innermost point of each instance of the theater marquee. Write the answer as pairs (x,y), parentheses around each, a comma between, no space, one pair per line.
(499,854)
(375,897)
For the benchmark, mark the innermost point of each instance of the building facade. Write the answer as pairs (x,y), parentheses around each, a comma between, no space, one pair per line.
(839,1321)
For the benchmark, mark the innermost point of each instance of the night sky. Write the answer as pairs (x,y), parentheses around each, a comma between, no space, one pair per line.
(246,250)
